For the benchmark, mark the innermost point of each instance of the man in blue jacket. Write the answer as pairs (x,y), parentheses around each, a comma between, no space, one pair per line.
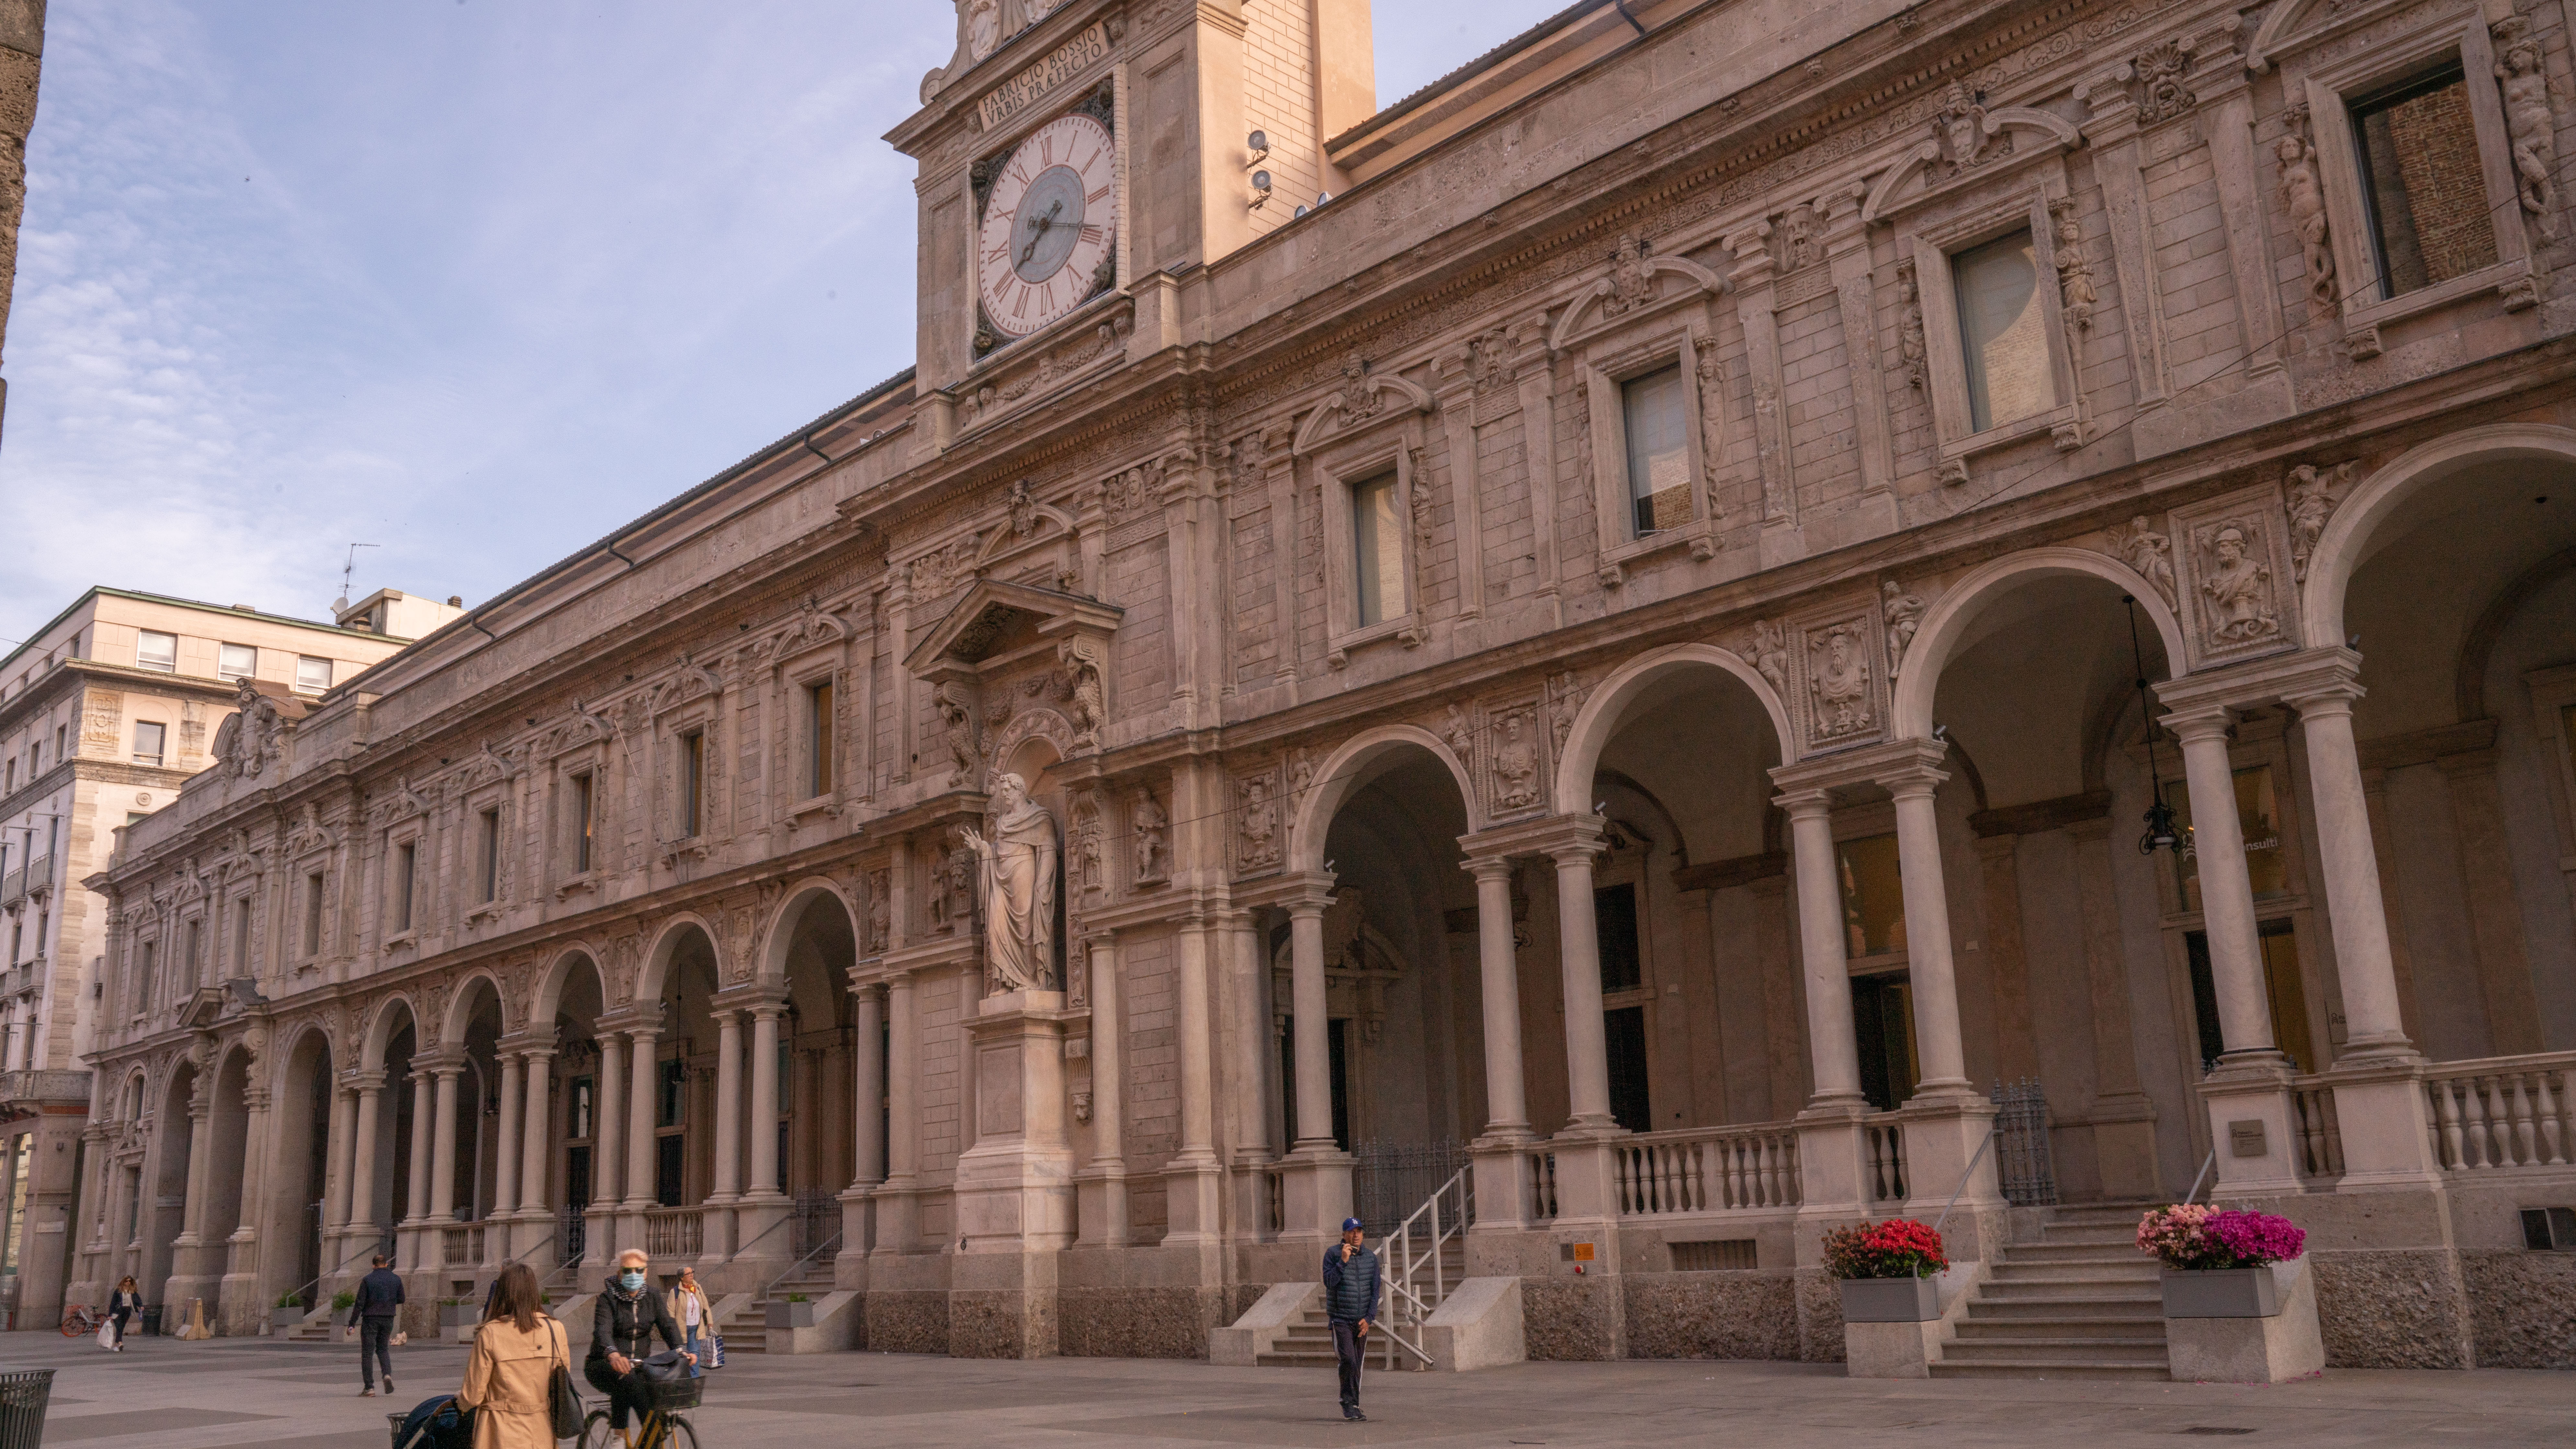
(380,1297)
(1352,1291)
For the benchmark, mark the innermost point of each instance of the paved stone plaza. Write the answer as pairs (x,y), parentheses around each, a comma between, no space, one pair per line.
(164,1393)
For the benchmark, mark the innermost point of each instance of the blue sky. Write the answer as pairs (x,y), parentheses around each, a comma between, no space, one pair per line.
(475,282)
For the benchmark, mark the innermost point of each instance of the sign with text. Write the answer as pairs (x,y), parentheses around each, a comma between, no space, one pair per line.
(1014,95)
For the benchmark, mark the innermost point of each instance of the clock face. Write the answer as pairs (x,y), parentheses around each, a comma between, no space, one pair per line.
(1048,225)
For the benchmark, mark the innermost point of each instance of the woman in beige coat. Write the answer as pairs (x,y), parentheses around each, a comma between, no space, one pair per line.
(506,1376)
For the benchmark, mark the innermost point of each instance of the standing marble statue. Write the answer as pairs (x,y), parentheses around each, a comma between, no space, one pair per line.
(1019,885)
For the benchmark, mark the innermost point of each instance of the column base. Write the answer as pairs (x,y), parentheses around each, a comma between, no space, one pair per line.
(898,1204)
(2383,1122)
(2252,1124)
(1100,1207)
(1950,1165)
(858,1217)
(1315,1189)
(1833,1161)
(1193,1194)
(1506,1199)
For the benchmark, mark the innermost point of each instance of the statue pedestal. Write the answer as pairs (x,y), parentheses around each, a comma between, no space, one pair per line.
(1015,1193)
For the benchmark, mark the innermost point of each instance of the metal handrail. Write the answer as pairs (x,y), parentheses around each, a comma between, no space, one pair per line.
(826,1245)
(1401,1293)
(385,1242)
(763,1233)
(2206,1164)
(1963,1179)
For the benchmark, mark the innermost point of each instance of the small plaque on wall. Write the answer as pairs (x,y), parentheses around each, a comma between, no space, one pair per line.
(2245,1139)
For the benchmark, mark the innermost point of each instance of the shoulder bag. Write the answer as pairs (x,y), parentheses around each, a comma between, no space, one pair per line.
(563,1402)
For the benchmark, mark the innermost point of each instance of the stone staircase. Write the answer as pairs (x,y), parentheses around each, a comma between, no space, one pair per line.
(318,1330)
(746,1329)
(1308,1343)
(2082,1302)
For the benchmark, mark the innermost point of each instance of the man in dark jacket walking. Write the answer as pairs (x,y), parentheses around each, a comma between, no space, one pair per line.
(380,1297)
(1352,1291)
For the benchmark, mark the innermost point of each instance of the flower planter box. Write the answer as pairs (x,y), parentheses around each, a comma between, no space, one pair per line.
(783,1314)
(285,1318)
(1891,1300)
(457,1315)
(2221,1293)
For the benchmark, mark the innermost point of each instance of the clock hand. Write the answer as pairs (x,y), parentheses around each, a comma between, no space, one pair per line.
(1039,225)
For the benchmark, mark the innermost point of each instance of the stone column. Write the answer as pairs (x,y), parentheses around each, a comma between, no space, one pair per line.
(607,1155)
(2372,1021)
(764,1103)
(1100,1189)
(728,1177)
(1315,1182)
(1587,1051)
(1929,969)
(442,1162)
(640,1156)
(899,1210)
(2378,1091)
(505,1165)
(362,1182)
(867,1064)
(1833,1050)
(424,1127)
(2251,1123)
(1498,970)
(344,1146)
(1193,1178)
(536,1138)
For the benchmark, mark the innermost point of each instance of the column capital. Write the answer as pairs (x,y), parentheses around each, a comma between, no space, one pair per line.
(445,1061)
(2318,674)
(629,1018)
(2199,722)
(364,1079)
(1900,765)
(1488,867)
(1805,803)
(750,996)
(1549,835)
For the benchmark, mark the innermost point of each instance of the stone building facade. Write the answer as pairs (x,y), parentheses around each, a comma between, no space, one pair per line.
(105,713)
(1624,650)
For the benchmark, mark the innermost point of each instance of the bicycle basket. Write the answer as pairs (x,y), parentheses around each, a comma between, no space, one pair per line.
(679,1393)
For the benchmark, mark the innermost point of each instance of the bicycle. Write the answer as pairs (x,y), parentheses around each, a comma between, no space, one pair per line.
(661,1427)
(78,1320)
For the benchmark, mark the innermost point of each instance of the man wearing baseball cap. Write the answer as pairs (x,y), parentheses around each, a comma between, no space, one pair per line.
(1351,1294)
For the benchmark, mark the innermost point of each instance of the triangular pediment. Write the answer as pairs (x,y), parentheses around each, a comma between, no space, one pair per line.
(994,617)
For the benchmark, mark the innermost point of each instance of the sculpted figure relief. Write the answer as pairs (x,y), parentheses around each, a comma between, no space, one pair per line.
(1904,613)
(1515,763)
(1149,822)
(2527,118)
(1840,682)
(983,27)
(1910,347)
(1018,866)
(2305,199)
(2238,588)
(2148,552)
(2313,493)
(1257,824)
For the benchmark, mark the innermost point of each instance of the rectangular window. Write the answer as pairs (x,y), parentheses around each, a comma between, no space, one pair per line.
(313,914)
(62,741)
(1623,1033)
(1873,896)
(237,661)
(2267,866)
(2422,182)
(1883,1035)
(693,780)
(312,676)
(406,861)
(241,938)
(153,650)
(1377,540)
(1614,921)
(2002,332)
(579,1106)
(581,825)
(818,738)
(196,961)
(488,854)
(149,737)
(1658,451)
(151,967)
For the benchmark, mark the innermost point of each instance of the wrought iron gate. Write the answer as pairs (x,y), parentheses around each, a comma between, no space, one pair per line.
(2023,1167)
(1389,1180)
(572,1224)
(818,1220)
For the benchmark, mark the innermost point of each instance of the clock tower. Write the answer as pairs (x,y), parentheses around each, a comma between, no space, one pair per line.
(1070,147)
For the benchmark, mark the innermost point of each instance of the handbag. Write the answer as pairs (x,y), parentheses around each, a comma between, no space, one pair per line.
(563,1402)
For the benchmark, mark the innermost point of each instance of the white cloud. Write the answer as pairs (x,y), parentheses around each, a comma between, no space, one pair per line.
(475,282)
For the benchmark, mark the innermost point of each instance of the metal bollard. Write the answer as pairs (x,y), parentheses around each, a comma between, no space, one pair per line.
(23,1395)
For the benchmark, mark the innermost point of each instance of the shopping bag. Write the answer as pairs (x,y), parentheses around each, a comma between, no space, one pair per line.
(107,1334)
(715,1354)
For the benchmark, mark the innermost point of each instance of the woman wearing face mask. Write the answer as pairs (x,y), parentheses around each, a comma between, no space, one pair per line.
(622,1328)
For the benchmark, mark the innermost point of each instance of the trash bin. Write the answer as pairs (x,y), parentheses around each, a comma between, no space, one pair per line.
(152,1320)
(22,1407)
(396,1423)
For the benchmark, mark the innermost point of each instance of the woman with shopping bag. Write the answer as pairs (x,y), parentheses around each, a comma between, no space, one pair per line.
(509,1376)
(122,1305)
(695,1315)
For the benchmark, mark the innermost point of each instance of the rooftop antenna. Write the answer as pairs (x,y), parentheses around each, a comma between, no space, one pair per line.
(349,571)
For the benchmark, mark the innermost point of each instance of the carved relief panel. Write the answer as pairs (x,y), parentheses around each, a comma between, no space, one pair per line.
(2236,577)
(1836,664)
